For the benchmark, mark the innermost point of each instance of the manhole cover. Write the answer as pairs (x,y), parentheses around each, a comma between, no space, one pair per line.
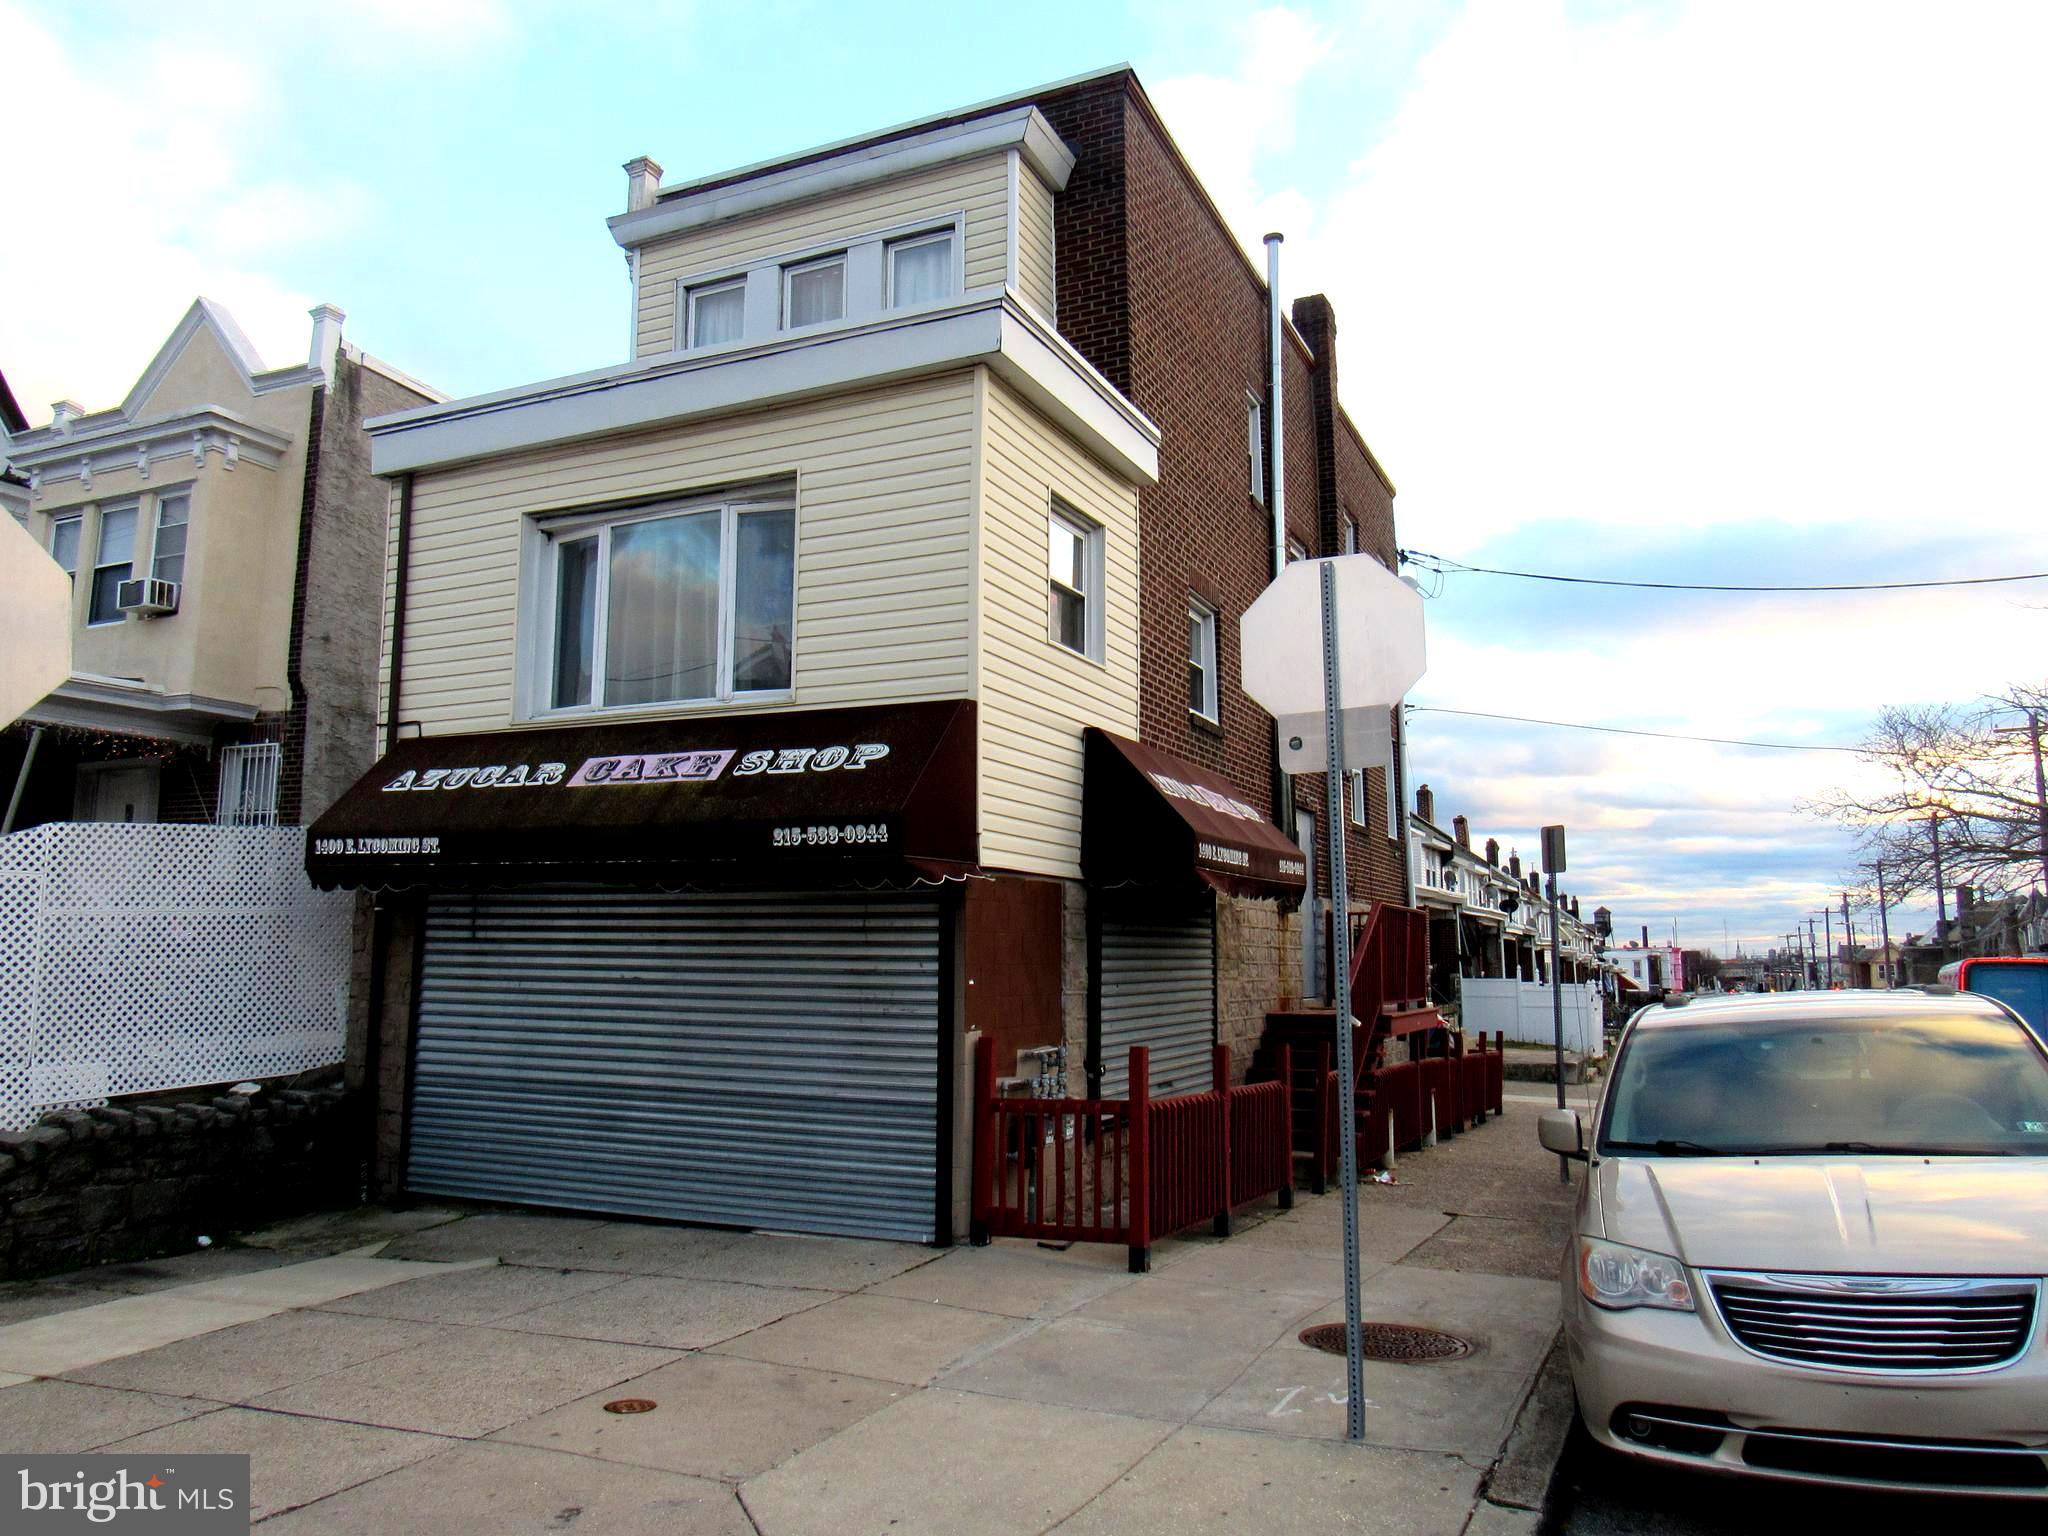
(647,1404)
(1402,1343)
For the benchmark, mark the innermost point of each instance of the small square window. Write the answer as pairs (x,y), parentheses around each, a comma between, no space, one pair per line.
(1073,583)
(717,313)
(921,269)
(815,293)
(1202,660)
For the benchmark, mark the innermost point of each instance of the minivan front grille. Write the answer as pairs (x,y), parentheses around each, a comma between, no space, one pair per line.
(1910,1324)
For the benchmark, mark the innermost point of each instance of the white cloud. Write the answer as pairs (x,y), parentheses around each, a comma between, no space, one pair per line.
(139,201)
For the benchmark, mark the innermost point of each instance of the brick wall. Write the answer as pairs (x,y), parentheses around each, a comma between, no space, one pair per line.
(1154,290)
(1258,967)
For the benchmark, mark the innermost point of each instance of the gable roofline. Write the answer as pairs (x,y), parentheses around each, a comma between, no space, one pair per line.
(12,422)
(205,314)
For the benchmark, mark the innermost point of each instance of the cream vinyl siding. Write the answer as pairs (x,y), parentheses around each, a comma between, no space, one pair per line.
(1037,696)
(978,188)
(1035,279)
(884,547)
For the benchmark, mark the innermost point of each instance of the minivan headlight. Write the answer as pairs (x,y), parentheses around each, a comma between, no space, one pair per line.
(1616,1276)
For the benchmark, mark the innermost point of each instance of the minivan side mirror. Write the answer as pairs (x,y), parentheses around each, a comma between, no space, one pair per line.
(1562,1132)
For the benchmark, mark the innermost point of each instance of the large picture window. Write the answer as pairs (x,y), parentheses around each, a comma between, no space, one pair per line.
(692,603)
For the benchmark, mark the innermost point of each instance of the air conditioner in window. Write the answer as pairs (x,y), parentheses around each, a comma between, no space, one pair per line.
(147,597)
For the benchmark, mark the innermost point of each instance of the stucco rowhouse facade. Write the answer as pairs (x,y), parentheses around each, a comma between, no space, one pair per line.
(849,670)
(223,532)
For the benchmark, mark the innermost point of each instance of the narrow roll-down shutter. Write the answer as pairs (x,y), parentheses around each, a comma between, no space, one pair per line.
(1158,990)
(753,1061)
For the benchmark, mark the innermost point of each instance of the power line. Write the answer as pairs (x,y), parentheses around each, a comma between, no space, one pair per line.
(1619,730)
(1442,564)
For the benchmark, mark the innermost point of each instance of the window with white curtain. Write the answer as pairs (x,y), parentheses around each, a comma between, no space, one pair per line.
(814,293)
(686,603)
(921,269)
(716,313)
(167,551)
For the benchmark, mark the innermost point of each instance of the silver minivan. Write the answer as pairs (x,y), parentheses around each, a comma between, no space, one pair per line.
(1812,1242)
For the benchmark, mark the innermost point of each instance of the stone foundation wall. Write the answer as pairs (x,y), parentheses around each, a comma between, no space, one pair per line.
(93,1186)
(1258,970)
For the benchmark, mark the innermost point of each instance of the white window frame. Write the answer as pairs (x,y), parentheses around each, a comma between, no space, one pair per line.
(955,268)
(1296,550)
(156,528)
(1350,534)
(1092,597)
(545,616)
(72,520)
(796,269)
(1357,777)
(257,764)
(1255,444)
(692,292)
(98,565)
(1204,616)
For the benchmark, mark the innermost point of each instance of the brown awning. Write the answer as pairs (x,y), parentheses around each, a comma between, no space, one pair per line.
(809,798)
(1148,818)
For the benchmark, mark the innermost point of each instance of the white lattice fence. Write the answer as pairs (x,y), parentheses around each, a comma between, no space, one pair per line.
(138,957)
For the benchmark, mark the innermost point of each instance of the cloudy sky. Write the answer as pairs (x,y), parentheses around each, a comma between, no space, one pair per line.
(1702,292)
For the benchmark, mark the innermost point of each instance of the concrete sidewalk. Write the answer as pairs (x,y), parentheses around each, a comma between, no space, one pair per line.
(807,1384)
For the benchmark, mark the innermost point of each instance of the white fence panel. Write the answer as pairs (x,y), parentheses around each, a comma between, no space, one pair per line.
(136,957)
(1521,1010)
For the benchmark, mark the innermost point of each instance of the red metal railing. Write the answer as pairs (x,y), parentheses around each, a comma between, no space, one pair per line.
(1126,1170)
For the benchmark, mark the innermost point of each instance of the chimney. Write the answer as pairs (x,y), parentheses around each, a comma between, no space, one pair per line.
(327,320)
(1646,935)
(63,413)
(1515,864)
(643,184)
(1425,803)
(1492,850)
(1461,832)
(1575,906)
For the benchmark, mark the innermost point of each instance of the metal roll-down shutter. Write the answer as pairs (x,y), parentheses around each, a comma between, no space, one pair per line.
(1158,989)
(752,1061)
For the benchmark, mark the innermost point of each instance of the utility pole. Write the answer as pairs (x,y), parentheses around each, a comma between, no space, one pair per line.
(1848,931)
(1884,918)
(1940,894)
(1827,917)
(1553,866)
(2033,729)
(1812,956)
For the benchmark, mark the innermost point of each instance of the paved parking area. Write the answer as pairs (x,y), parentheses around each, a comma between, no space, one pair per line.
(456,1380)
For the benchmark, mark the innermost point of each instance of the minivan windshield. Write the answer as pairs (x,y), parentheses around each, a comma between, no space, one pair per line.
(1958,1085)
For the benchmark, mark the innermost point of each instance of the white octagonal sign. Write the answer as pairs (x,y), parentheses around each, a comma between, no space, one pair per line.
(35,622)
(1380,652)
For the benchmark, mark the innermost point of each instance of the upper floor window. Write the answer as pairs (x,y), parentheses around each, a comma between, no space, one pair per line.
(1350,535)
(64,539)
(683,604)
(1296,550)
(1358,797)
(921,269)
(1202,660)
(167,552)
(113,563)
(717,313)
(1074,582)
(1255,443)
(814,293)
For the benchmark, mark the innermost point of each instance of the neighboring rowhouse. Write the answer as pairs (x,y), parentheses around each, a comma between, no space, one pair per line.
(852,668)
(223,534)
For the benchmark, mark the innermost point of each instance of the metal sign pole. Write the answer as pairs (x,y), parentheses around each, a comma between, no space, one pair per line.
(1340,992)
(1564,1168)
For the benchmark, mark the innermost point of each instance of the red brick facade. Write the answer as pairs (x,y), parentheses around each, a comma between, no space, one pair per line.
(1155,292)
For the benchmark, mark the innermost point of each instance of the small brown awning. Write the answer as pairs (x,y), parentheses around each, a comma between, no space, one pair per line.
(805,798)
(1148,818)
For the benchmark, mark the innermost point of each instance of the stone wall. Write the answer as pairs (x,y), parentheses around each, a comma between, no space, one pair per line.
(93,1186)
(1258,969)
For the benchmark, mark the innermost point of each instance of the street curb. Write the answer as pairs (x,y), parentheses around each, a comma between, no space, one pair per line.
(1520,1479)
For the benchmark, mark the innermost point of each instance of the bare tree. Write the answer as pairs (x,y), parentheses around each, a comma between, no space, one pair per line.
(1948,768)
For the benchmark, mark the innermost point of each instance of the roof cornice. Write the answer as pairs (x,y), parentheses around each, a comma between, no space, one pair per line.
(47,455)
(991,327)
(717,200)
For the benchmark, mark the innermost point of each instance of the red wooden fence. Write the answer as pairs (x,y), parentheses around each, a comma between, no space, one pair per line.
(1127,1170)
